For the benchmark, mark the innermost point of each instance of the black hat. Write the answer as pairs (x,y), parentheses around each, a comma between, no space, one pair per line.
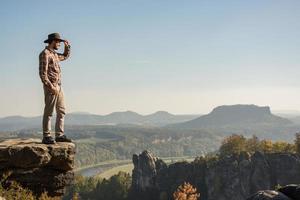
(53,36)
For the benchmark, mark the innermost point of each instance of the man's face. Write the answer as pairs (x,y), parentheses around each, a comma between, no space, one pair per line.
(56,44)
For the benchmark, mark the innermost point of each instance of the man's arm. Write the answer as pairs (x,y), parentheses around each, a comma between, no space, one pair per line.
(43,71)
(66,54)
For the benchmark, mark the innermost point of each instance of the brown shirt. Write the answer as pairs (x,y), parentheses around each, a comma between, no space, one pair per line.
(49,68)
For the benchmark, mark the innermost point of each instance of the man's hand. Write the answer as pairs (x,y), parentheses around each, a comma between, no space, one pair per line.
(54,90)
(66,42)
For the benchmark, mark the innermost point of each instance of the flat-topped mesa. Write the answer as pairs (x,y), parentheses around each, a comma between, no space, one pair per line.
(243,109)
(37,166)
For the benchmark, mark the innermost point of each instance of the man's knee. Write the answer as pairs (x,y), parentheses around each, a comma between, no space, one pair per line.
(48,112)
(61,111)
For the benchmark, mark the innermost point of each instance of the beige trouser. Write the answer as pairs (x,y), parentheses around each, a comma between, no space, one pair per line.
(58,102)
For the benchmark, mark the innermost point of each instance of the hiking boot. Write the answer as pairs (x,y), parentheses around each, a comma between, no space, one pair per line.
(48,140)
(62,138)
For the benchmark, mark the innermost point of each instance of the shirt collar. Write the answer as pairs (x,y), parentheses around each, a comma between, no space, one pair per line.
(51,50)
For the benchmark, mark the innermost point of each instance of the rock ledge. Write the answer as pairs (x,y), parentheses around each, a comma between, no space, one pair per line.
(37,166)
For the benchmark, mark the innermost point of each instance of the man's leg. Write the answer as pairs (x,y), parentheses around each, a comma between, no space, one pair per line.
(60,116)
(60,113)
(50,101)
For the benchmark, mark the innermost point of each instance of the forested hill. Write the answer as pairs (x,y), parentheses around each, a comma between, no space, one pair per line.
(159,118)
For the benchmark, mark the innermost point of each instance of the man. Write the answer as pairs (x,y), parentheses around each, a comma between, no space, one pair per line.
(50,74)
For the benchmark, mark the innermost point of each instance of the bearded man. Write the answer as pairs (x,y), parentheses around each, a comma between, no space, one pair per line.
(50,74)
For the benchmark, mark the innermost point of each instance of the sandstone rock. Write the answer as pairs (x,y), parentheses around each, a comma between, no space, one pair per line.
(231,178)
(146,167)
(261,175)
(31,153)
(292,191)
(37,166)
(269,195)
(289,192)
(284,167)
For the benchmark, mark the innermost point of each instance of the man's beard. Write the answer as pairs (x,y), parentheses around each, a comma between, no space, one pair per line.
(56,47)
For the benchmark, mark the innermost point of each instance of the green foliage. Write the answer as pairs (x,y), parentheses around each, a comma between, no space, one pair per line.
(277,187)
(102,143)
(235,144)
(16,192)
(266,146)
(89,154)
(83,187)
(208,160)
(283,147)
(114,188)
(297,143)
(252,144)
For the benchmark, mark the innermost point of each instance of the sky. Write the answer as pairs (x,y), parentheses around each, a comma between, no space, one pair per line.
(184,57)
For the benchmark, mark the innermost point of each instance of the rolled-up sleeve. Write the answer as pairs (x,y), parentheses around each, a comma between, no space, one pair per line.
(43,69)
(66,54)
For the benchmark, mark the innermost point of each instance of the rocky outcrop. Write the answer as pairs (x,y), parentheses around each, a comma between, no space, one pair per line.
(146,167)
(289,192)
(145,170)
(37,166)
(235,177)
(269,195)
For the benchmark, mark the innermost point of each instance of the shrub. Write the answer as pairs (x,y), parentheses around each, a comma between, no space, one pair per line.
(186,192)
(16,192)
(297,143)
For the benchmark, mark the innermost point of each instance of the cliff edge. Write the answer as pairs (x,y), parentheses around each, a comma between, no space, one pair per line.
(37,166)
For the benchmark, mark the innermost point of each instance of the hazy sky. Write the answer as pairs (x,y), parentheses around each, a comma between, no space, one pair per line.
(179,56)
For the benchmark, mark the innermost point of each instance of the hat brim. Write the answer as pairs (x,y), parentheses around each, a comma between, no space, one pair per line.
(48,41)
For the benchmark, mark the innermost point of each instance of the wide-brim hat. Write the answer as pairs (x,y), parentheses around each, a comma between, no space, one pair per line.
(53,36)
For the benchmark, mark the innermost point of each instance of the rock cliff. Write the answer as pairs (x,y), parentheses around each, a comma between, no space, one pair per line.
(289,192)
(37,166)
(236,177)
(146,167)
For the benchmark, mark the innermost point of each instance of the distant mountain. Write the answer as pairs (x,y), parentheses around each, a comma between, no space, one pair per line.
(13,123)
(236,116)
(295,120)
(163,118)
(159,118)
(126,117)
(292,115)
(82,119)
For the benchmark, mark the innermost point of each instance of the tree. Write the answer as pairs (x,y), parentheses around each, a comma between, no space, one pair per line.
(186,192)
(233,144)
(252,144)
(93,188)
(116,188)
(285,147)
(82,188)
(266,146)
(297,143)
